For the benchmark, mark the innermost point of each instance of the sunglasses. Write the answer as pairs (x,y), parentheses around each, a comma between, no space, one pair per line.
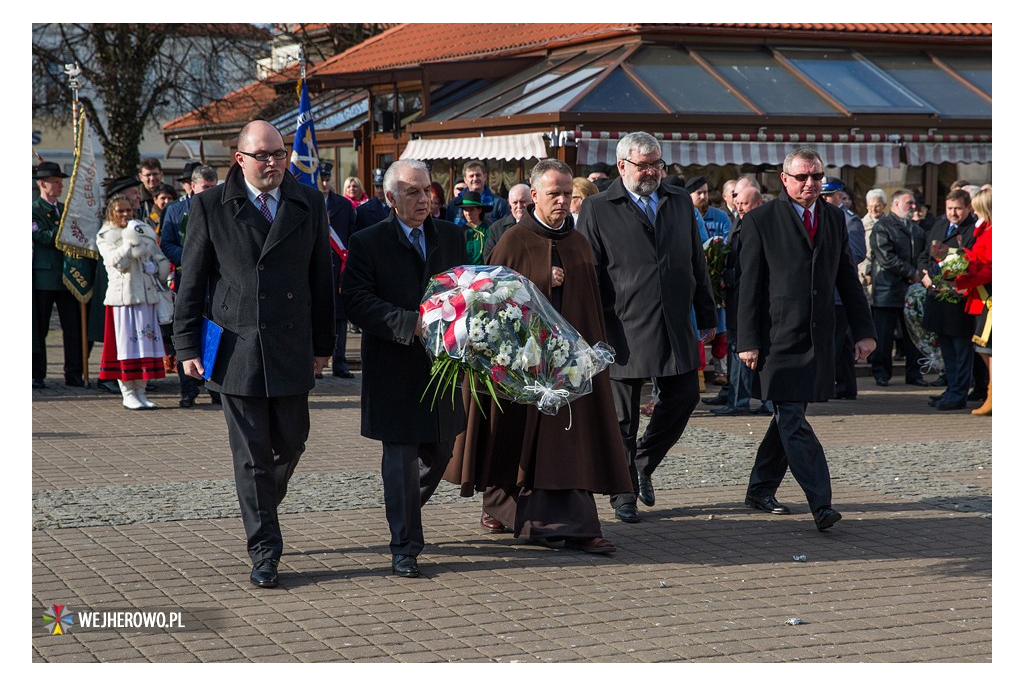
(803,177)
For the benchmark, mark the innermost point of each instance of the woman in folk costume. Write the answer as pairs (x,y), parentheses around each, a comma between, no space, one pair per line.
(133,347)
(476,228)
(978,279)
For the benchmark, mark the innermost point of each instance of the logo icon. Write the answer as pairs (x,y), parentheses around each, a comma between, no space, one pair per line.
(58,619)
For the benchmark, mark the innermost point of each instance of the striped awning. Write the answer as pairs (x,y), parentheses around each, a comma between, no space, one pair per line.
(514,146)
(939,152)
(880,152)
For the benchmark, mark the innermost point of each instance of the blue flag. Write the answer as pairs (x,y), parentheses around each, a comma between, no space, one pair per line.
(305,166)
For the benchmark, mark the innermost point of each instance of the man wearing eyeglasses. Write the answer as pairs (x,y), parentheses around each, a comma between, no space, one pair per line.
(796,254)
(651,270)
(259,265)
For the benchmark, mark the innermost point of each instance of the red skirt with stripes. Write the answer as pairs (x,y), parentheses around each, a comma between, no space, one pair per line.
(114,369)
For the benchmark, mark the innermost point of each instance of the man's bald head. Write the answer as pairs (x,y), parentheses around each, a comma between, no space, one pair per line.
(262,139)
(519,199)
(748,198)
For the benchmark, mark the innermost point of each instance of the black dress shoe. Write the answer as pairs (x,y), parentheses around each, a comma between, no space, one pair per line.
(37,383)
(714,400)
(949,406)
(766,503)
(918,381)
(826,517)
(405,565)
(977,395)
(938,382)
(761,411)
(264,573)
(343,374)
(725,411)
(627,513)
(645,489)
(187,402)
(74,382)
(882,382)
(108,386)
(936,398)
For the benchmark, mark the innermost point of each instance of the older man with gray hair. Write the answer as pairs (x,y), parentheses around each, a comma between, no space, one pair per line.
(388,267)
(519,200)
(651,270)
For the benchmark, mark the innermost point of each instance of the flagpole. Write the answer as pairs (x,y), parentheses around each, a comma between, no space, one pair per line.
(73,71)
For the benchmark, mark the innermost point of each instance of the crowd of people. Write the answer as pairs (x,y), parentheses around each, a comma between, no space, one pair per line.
(807,288)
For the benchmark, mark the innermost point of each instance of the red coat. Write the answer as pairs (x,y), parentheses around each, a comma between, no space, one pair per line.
(979,269)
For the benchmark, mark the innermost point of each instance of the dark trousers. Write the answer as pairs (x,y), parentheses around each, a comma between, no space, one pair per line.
(411,472)
(677,398)
(338,362)
(741,379)
(70,315)
(846,372)
(790,443)
(267,436)
(957,356)
(887,321)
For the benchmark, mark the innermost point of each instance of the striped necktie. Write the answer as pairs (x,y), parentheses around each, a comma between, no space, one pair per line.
(264,209)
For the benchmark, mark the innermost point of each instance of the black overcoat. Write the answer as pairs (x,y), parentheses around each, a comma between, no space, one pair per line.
(270,288)
(946,318)
(649,277)
(381,289)
(786,304)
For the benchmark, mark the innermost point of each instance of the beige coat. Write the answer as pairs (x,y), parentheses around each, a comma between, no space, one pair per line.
(124,253)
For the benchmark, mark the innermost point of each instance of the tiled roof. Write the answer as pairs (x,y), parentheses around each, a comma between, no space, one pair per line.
(412,44)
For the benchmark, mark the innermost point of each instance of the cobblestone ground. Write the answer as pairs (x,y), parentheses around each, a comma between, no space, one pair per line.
(136,510)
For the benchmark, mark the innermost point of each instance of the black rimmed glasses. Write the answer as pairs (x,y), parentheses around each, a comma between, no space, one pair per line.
(278,155)
(801,178)
(658,166)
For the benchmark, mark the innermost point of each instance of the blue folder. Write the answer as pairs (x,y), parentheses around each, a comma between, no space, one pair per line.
(211,341)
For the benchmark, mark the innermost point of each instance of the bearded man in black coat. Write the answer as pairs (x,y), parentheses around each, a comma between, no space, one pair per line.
(796,253)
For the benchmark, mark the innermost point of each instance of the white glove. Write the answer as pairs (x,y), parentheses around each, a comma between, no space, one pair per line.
(150,267)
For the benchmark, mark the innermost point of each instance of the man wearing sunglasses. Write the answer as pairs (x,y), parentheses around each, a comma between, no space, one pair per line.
(259,266)
(650,270)
(796,254)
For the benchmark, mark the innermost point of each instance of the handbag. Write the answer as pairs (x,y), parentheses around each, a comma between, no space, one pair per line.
(164,305)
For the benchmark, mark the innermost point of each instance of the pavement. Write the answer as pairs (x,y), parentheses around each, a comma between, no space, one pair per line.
(136,512)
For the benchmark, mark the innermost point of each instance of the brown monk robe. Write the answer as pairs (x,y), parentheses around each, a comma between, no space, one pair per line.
(539,477)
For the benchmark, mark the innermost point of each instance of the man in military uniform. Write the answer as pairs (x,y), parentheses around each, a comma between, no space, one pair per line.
(48,287)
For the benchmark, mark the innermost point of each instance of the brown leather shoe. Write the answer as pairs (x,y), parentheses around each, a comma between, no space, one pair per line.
(720,379)
(492,525)
(590,545)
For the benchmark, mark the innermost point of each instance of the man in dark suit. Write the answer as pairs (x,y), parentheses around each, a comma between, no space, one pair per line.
(651,269)
(796,253)
(954,326)
(374,210)
(833,190)
(896,244)
(342,217)
(388,268)
(258,250)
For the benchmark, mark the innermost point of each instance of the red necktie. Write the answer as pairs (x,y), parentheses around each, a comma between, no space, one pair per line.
(809,225)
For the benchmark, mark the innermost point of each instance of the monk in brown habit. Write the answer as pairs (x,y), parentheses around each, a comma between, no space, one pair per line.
(538,478)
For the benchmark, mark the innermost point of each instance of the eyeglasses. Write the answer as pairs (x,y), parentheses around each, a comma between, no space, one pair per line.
(643,168)
(801,178)
(278,155)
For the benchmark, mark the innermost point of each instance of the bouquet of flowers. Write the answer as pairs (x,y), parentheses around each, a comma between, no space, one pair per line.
(715,251)
(495,325)
(952,263)
(924,340)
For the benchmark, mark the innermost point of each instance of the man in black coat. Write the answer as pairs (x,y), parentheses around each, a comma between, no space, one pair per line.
(342,217)
(796,253)
(954,326)
(258,249)
(389,265)
(896,246)
(651,269)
